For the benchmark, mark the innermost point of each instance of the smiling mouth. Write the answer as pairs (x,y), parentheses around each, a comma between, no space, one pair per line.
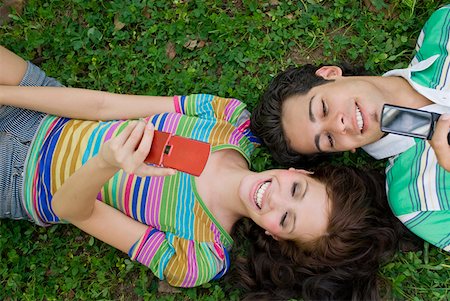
(258,197)
(359,118)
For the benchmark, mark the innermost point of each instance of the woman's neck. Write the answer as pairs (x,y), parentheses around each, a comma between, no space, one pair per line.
(218,186)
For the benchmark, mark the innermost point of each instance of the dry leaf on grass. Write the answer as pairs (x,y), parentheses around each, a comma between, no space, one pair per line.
(170,50)
(117,24)
(192,44)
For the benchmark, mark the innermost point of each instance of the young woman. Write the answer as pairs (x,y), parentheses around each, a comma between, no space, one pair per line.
(324,239)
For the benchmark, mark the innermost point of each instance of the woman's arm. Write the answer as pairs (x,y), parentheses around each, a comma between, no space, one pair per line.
(164,253)
(76,200)
(12,67)
(72,103)
(84,103)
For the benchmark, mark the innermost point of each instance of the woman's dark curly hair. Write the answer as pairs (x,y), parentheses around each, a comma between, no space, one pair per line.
(340,265)
(266,122)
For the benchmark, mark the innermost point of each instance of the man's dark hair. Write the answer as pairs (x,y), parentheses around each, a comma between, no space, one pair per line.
(266,117)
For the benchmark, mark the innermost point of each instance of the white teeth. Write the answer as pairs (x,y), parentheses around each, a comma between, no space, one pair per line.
(359,118)
(259,194)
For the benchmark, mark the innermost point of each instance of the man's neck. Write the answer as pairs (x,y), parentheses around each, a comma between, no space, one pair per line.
(399,92)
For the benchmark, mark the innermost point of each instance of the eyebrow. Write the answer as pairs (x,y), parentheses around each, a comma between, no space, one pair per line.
(311,115)
(293,225)
(306,189)
(295,216)
(313,119)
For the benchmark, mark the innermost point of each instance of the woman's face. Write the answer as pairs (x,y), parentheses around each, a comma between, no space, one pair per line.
(288,204)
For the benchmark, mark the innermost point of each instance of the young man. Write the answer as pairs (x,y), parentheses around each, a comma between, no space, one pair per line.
(319,110)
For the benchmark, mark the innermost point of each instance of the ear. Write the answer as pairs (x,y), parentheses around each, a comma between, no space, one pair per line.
(273,236)
(329,72)
(302,171)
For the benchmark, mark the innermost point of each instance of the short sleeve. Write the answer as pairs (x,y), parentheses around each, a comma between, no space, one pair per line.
(209,106)
(434,39)
(432,226)
(181,262)
(419,193)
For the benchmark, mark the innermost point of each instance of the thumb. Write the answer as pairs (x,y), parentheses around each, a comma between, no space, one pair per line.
(145,170)
(440,142)
(442,131)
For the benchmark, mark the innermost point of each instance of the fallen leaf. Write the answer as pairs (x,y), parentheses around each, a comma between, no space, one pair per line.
(290,16)
(8,7)
(170,50)
(191,44)
(117,24)
(146,13)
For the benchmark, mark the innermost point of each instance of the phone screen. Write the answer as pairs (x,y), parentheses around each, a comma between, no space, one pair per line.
(406,121)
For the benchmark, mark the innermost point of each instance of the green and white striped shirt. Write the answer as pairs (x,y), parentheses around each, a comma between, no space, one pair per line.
(418,187)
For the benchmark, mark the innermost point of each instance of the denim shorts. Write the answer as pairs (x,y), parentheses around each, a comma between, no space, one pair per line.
(17,130)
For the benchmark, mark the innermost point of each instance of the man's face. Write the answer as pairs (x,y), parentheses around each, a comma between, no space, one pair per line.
(341,115)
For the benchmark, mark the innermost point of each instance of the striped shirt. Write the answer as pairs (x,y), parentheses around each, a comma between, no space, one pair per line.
(418,187)
(184,244)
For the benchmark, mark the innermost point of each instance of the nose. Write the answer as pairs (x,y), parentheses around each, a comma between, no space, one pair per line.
(336,124)
(274,202)
(339,124)
(280,201)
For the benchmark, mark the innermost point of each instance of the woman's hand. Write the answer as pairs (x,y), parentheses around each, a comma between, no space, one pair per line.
(439,142)
(129,149)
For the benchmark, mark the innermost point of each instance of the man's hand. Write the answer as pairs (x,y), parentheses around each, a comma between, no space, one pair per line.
(440,143)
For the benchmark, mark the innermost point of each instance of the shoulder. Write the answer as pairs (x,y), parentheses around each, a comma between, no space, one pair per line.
(436,27)
(416,182)
(433,41)
(204,97)
(439,15)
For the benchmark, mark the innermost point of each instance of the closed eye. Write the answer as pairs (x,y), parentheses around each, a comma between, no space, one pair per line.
(324,109)
(294,189)
(330,140)
(283,219)
(325,113)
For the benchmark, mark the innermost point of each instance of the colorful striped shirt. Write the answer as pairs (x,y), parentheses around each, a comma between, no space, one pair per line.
(184,243)
(418,187)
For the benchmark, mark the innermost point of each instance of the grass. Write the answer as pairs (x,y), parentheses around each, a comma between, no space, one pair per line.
(228,48)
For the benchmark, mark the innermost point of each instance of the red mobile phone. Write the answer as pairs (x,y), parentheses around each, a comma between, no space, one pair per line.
(183,154)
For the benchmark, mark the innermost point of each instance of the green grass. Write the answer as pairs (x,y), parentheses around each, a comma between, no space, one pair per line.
(228,48)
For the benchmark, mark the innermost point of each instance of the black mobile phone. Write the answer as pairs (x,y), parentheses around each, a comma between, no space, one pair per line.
(409,122)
